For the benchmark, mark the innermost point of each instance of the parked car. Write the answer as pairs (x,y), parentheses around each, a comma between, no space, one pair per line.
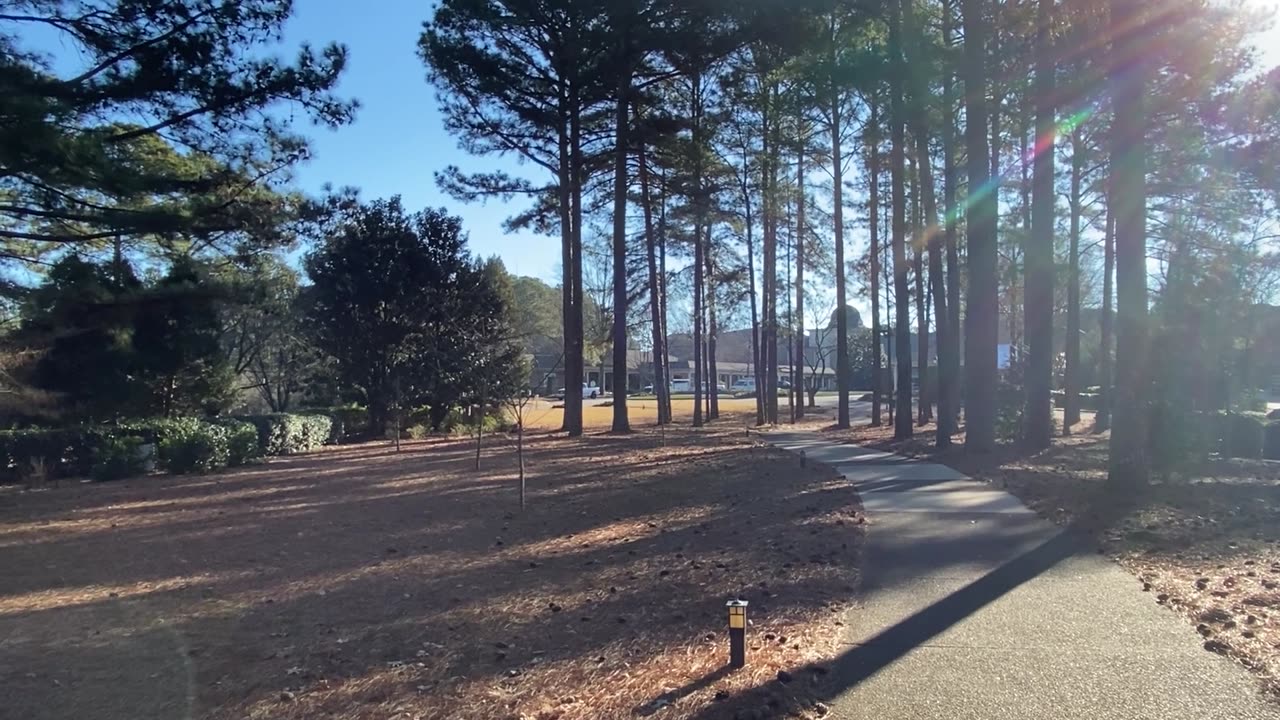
(745,385)
(588,392)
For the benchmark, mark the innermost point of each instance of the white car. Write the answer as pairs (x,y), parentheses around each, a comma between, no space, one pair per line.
(589,392)
(745,385)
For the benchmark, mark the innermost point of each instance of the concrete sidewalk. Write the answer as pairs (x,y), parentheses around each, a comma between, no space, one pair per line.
(973,607)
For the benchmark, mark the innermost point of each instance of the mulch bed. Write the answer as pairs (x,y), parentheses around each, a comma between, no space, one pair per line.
(361,583)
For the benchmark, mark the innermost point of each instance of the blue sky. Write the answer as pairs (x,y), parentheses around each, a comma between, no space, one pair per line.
(398,140)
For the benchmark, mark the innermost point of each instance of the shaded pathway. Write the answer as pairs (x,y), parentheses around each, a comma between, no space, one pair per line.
(974,607)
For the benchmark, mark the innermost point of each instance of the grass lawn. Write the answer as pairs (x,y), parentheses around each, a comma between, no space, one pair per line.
(1204,543)
(360,583)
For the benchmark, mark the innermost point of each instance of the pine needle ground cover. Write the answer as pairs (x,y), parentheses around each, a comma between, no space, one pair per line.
(358,582)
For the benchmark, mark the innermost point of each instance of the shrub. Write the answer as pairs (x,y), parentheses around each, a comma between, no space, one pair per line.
(242,442)
(20,450)
(192,445)
(1271,445)
(1245,435)
(1253,400)
(315,431)
(286,434)
(1179,438)
(118,457)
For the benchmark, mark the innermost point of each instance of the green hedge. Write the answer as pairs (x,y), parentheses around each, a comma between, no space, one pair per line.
(286,434)
(192,445)
(1271,446)
(1244,435)
(181,445)
(242,442)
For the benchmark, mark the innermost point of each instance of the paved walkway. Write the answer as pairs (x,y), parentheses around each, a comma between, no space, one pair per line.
(974,607)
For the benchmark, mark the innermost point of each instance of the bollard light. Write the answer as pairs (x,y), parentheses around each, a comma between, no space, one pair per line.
(737,633)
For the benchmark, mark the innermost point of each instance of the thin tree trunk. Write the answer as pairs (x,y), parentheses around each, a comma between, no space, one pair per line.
(982,317)
(1102,421)
(923,410)
(873,207)
(567,301)
(1038,293)
(713,329)
(837,200)
(660,385)
(1071,379)
(771,260)
(797,365)
(621,423)
(886,244)
(902,428)
(751,282)
(951,385)
(574,360)
(698,380)
(943,391)
(1128,461)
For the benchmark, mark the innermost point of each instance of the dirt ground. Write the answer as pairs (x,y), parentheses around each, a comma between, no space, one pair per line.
(361,583)
(1205,543)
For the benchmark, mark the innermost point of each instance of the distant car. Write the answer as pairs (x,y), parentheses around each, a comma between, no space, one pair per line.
(745,385)
(681,387)
(588,392)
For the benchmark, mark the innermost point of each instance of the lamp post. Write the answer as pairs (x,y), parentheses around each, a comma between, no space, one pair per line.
(737,633)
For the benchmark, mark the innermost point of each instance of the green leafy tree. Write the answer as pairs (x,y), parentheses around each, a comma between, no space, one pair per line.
(177,340)
(409,318)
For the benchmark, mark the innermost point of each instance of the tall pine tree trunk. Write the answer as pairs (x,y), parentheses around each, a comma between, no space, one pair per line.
(699,382)
(837,222)
(952,362)
(1129,466)
(981,312)
(873,207)
(575,362)
(897,167)
(713,329)
(751,285)
(1102,421)
(770,348)
(1071,378)
(930,237)
(621,423)
(1038,292)
(661,386)
(923,410)
(797,365)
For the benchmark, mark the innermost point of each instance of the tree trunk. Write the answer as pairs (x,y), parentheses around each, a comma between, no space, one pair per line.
(698,270)
(1038,291)
(1102,421)
(942,320)
(567,299)
(873,208)
(660,385)
(751,281)
(797,365)
(923,410)
(713,373)
(951,372)
(897,162)
(1071,379)
(837,222)
(699,262)
(770,348)
(574,359)
(982,316)
(1128,466)
(621,423)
